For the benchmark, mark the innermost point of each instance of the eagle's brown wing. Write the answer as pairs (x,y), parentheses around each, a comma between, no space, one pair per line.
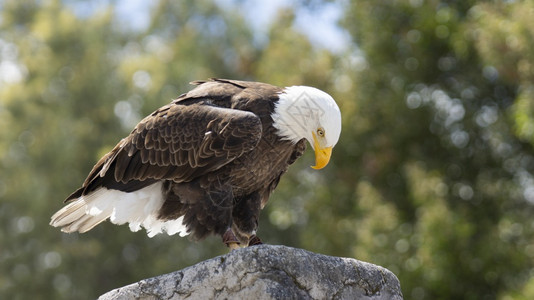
(177,142)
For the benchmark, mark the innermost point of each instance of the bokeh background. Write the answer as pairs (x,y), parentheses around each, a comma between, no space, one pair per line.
(432,177)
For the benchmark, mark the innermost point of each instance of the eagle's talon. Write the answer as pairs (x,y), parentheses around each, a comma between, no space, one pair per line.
(254,240)
(230,239)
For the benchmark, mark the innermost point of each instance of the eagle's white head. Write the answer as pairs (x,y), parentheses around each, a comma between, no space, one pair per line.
(307,112)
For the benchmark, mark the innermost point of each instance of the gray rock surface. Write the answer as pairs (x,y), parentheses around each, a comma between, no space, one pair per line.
(268,272)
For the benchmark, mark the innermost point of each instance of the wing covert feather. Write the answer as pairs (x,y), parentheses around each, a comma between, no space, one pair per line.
(180,142)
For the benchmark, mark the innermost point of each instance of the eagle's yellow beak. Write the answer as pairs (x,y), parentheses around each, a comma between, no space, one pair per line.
(322,155)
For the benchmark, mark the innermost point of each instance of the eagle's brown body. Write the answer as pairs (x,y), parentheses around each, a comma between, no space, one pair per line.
(214,151)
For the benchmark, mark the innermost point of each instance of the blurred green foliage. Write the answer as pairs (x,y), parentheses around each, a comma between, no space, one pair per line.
(432,177)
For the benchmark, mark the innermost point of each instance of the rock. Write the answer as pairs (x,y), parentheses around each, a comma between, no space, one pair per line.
(268,272)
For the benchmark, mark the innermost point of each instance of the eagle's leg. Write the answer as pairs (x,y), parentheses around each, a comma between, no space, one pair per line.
(245,215)
(230,239)
(254,240)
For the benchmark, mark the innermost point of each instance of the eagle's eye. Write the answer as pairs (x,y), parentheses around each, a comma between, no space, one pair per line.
(320,132)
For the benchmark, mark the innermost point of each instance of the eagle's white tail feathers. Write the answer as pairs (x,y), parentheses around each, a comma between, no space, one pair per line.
(139,209)
(84,223)
(68,214)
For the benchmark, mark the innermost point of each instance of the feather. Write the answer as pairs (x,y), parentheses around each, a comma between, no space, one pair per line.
(138,208)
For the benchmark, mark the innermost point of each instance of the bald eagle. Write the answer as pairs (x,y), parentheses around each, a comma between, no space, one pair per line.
(207,162)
